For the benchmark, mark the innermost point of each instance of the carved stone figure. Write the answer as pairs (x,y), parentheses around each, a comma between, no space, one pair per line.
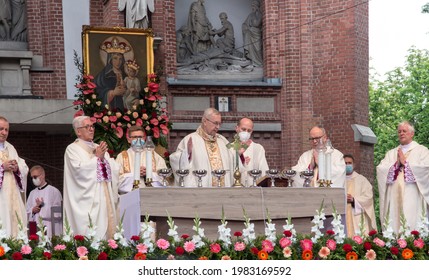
(200,26)
(19,20)
(183,44)
(5,19)
(136,12)
(226,34)
(252,35)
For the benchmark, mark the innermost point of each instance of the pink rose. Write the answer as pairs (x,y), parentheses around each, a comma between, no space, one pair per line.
(81,251)
(26,250)
(331,244)
(127,118)
(357,239)
(402,243)
(189,246)
(370,255)
(113,118)
(419,243)
(139,122)
(267,246)
(79,113)
(162,244)
(112,243)
(379,242)
(239,246)
(306,244)
(119,132)
(154,121)
(215,248)
(285,242)
(155,132)
(141,248)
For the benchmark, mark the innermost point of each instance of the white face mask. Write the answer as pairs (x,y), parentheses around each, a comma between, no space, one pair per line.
(244,136)
(36,182)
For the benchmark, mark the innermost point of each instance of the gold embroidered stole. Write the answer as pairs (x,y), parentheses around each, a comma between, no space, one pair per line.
(349,209)
(213,153)
(126,168)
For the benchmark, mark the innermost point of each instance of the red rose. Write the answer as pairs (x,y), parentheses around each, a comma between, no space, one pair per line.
(330,232)
(185,236)
(347,247)
(180,251)
(367,246)
(17,256)
(153,87)
(79,238)
(254,250)
(47,255)
(238,233)
(372,232)
(33,237)
(287,233)
(102,256)
(415,233)
(394,250)
(135,238)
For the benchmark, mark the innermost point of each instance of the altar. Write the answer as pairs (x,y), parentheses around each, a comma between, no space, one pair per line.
(184,204)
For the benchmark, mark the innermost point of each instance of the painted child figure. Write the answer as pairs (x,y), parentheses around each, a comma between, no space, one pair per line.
(131,96)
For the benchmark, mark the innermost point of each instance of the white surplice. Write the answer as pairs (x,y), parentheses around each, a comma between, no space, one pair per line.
(200,160)
(12,197)
(338,169)
(256,154)
(361,190)
(404,197)
(51,197)
(86,196)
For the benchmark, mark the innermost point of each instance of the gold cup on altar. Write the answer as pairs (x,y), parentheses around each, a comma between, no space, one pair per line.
(200,173)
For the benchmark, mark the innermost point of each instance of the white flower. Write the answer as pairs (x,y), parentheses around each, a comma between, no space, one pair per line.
(95,244)
(270,232)
(224,234)
(249,233)
(5,247)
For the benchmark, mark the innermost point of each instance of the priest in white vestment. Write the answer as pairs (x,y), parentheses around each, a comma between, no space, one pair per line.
(403,181)
(90,182)
(309,161)
(251,157)
(13,184)
(41,199)
(126,163)
(360,212)
(204,149)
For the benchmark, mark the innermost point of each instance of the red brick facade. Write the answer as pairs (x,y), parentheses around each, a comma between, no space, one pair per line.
(319,50)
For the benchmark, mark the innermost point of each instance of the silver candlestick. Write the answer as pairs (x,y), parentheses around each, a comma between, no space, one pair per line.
(200,173)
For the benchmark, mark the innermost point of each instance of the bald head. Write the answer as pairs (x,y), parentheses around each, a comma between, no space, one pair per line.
(244,124)
(317,133)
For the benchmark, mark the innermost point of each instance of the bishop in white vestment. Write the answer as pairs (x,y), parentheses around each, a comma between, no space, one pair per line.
(403,181)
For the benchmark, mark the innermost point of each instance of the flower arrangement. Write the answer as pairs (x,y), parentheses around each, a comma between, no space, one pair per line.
(241,245)
(111,124)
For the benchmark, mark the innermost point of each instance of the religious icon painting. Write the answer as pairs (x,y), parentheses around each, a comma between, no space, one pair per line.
(120,60)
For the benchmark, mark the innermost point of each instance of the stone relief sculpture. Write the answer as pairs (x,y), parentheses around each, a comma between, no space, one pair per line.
(13,20)
(202,49)
(252,35)
(200,27)
(136,12)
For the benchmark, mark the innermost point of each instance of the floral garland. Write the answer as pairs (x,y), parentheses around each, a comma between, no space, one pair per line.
(330,245)
(111,125)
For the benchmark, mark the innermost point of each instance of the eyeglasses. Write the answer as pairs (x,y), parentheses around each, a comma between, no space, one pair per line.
(315,138)
(215,123)
(88,126)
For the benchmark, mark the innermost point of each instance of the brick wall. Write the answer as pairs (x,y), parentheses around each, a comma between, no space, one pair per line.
(322,60)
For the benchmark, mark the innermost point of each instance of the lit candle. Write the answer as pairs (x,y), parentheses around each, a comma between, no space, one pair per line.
(137,166)
(148,164)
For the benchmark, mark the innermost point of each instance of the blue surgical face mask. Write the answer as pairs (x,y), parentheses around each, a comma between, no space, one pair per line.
(136,141)
(349,169)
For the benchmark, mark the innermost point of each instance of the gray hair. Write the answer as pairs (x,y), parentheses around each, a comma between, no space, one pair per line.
(407,123)
(78,122)
(209,112)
